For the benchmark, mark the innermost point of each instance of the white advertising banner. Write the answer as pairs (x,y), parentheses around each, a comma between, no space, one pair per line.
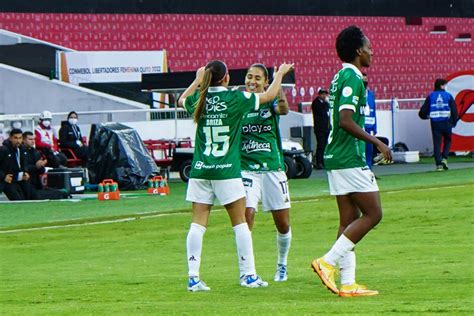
(109,66)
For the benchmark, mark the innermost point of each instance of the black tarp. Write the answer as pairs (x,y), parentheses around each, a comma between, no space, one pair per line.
(117,152)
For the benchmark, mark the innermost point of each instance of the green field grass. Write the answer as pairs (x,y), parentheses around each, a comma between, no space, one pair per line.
(419,257)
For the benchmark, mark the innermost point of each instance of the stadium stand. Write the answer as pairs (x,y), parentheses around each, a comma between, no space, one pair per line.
(407,57)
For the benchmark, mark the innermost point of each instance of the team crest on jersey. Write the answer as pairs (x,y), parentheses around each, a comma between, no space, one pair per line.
(265,113)
(347,92)
(247,182)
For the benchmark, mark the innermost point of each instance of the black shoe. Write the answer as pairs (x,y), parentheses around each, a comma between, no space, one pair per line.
(319,166)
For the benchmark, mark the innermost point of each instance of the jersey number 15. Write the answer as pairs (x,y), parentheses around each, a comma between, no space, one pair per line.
(217,140)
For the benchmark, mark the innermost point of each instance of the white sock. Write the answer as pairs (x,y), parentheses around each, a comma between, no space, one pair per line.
(342,246)
(194,248)
(243,240)
(283,244)
(347,266)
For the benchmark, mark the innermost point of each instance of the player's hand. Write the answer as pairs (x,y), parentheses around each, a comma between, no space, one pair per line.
(9,178)
(385,151)
(285,68)
(200,74)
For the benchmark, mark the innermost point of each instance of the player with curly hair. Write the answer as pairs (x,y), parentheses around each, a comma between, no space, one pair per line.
(350,179)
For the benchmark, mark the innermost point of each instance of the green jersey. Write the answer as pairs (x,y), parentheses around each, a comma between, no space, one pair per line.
(347,91)
(261,142)
(217,151)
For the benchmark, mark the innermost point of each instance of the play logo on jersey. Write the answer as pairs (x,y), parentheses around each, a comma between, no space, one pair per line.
(460,85)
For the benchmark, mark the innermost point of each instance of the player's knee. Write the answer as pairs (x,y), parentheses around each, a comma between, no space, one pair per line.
(283,228)
(376,217)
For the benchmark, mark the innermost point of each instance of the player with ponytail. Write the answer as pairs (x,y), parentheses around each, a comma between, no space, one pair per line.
(215,172)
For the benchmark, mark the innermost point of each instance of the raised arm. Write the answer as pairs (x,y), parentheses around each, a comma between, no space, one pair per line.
(272,91)
(282,108)
(192,88)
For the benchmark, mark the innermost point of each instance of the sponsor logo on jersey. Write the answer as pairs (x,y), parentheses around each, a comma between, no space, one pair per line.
(265,113)
(328,156)
(253,146)
(252,114)
(214,104)
(347,92)
(254,166)
(355,99)
(200,165)
(216,115)
(256,128)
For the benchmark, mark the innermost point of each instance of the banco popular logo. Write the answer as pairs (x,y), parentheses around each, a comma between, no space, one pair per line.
(198,165)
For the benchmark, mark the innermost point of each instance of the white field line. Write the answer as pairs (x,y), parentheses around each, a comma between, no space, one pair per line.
(218,209)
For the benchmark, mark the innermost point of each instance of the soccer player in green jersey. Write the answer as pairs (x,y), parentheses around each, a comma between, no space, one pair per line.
(263,169)
(350,179)
(215,172)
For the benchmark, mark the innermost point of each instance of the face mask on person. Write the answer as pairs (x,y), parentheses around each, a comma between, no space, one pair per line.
(46,123)
(72,121)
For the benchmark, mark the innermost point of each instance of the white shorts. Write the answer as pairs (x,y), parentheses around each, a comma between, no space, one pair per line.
(206,191)
(345,181)
(269,187)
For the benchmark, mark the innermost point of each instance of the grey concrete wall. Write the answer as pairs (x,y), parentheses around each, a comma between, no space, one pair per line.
(23,92)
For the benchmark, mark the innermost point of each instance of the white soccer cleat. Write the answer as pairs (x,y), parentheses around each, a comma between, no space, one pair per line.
(281,274)
(196,285)
(252,281)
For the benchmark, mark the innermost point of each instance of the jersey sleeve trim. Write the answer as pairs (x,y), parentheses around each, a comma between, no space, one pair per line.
(257,102)
(347,107)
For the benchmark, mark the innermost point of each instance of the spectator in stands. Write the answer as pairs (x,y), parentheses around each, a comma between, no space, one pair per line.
(263,169)
(441,109)
(35,163)
(370,121)
(70,137)
(320,108)
(13,173)
(350,180)
(215,173)
(47,143)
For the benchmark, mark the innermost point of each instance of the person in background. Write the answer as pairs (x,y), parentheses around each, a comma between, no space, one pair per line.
(35,163)
(263,168)
(370,125)
(320,108)
(70,136)
(13,175)
(47,143)
(441,109)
